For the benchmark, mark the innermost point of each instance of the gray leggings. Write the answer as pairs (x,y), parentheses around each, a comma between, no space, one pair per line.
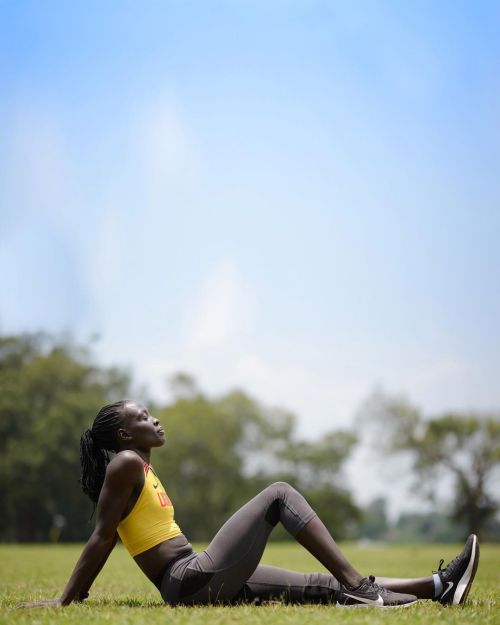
(228,571)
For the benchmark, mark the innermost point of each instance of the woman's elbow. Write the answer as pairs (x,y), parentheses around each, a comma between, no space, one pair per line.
(103,538)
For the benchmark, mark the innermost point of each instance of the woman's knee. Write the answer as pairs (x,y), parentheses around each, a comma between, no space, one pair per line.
(281,486)
(274,496)
(279,489)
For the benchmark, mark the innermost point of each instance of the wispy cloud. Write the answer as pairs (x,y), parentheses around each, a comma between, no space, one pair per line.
(39,182)
(164,149)
(222,310)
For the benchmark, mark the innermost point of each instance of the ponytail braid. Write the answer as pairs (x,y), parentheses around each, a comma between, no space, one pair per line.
(95,443)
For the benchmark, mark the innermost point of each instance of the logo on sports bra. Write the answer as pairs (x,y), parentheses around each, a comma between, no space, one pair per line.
(155,485)
(164,500)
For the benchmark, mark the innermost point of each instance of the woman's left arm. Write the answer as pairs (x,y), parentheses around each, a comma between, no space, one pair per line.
(90,562)
(84,592)
(121,476)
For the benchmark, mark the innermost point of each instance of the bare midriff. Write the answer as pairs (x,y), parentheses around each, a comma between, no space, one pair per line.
(155,560)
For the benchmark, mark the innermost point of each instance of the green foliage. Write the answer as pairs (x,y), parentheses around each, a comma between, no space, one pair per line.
(224,451)
(374,523)
(425,528)
(465,446)
(316,463)
(199,465)
(219,453)
(50,392)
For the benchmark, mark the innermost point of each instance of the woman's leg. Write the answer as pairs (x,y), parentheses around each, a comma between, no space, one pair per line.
(318,541)
(219,573)
(228,569)
(269,583)
(421,587)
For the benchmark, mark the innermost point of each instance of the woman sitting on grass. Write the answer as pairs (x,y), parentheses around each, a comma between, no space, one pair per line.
(132,503)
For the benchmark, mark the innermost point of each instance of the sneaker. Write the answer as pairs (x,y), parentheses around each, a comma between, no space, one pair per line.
(369,594)
(458,576)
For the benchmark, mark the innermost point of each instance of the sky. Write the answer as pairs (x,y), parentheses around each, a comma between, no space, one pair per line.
(297,198)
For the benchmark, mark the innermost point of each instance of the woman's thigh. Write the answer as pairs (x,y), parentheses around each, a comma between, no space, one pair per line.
(219,573)
(245,534)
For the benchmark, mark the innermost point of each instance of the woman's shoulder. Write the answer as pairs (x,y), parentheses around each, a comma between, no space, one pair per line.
(126,462)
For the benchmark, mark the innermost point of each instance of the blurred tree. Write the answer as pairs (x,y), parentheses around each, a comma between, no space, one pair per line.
(374,524)
(219,453)
(426,527)
(315,468)
(223,451)
(199,466)
(49,392)
(183,385)
(463,446)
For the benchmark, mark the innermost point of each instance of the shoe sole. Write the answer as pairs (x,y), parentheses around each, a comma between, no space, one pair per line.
(463,586)
(374,605)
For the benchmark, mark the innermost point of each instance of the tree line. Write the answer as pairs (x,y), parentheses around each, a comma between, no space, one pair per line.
(220,451)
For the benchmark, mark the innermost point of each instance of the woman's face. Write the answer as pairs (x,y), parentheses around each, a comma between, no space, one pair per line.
(140,429)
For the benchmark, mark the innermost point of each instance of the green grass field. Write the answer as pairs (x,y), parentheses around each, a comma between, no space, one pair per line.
(122,594)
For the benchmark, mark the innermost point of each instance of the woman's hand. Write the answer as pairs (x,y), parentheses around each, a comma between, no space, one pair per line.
(52,603)
(45,603)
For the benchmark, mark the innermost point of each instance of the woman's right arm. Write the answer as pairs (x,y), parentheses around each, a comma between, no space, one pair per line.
(122,475)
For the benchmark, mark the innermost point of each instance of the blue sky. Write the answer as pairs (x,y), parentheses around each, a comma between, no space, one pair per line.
(299,198)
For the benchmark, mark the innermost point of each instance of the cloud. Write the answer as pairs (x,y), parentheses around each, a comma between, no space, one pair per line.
(310,382)
(103,264)
(165,150)
(222,311)
(38,181)
(40,205)
(140,228)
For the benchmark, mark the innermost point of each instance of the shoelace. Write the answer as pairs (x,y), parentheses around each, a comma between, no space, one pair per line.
(372,585)
(449,568)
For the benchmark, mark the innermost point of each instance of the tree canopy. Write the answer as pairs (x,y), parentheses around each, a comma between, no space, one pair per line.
(220,451)
(465,446)
(48,391)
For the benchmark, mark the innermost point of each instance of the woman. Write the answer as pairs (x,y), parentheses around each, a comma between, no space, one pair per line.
(132,503)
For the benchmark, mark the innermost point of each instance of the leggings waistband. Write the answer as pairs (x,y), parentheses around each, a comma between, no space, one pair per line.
(172,577)
(168,567)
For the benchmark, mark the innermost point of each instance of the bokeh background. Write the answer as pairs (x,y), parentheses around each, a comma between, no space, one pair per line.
(277,224)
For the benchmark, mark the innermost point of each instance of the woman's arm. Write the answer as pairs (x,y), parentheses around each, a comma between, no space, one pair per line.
(88,567)
(84,593)
(92,559)
(122,474)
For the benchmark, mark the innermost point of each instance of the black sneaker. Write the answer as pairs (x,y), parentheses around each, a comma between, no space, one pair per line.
(369,594)
(458,576)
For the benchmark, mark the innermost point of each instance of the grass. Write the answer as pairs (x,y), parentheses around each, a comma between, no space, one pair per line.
(122,594)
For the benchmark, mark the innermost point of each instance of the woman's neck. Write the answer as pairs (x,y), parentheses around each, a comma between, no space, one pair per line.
(145,454)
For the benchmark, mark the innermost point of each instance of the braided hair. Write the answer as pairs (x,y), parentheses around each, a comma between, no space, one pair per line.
(95,443)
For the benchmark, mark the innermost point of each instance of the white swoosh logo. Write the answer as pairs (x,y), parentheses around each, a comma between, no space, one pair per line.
(450,585)
(378,601)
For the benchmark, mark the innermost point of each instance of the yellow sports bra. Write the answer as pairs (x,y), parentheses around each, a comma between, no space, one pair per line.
(151,520)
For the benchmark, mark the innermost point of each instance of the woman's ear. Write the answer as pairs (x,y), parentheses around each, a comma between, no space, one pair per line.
(123,435)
